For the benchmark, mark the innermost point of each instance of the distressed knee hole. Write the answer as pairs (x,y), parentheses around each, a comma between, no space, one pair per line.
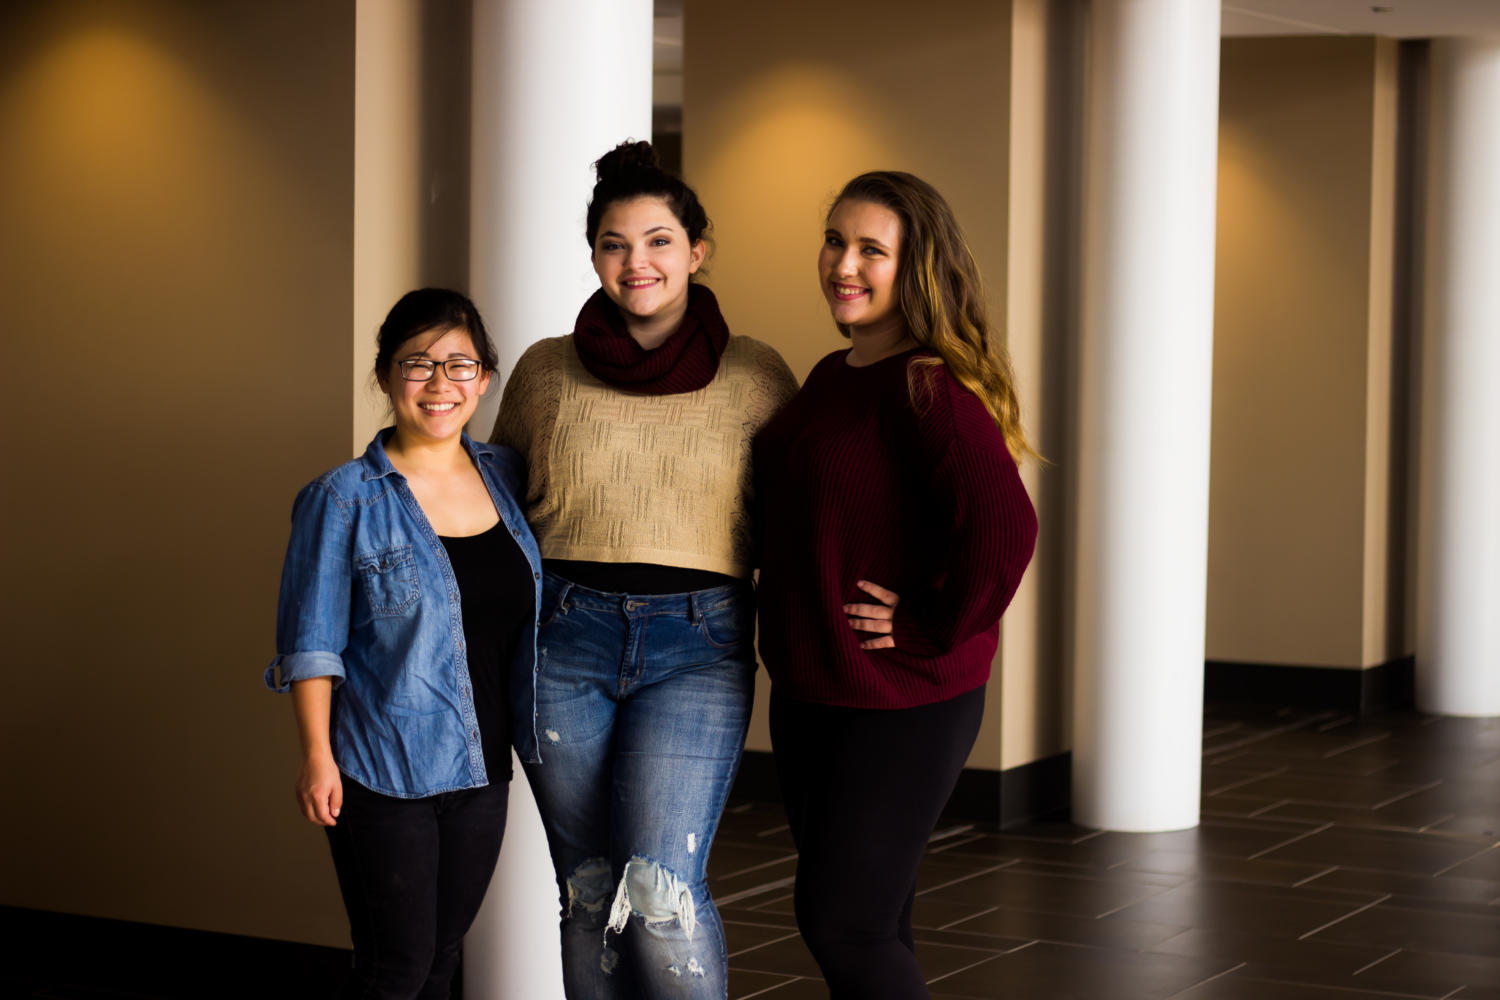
(694,967)
(654,894)
(589,886)
(553,736)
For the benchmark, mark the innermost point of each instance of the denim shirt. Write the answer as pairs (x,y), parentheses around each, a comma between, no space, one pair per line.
(368,597)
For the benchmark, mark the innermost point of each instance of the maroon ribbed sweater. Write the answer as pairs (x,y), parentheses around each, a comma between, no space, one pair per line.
(858,482)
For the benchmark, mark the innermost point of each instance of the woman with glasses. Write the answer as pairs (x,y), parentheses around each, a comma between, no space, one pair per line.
(636,430)
(897,530)
(408,602)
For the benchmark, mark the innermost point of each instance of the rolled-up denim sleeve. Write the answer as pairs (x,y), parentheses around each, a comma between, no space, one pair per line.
(312,614)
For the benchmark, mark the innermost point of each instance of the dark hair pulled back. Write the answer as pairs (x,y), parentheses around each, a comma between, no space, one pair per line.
(631,170)
(428,309)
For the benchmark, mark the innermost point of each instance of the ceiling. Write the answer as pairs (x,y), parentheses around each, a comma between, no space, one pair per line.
(1394,18)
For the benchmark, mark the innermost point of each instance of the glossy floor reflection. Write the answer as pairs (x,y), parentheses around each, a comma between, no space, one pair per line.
(1338,858)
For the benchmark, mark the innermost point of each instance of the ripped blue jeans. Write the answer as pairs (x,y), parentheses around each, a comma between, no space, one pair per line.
(642,706)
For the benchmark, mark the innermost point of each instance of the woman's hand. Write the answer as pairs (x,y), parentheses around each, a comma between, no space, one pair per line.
(874,617)
(320,789)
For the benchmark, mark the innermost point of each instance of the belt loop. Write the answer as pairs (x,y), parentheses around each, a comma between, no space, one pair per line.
(562,595)
(693,612)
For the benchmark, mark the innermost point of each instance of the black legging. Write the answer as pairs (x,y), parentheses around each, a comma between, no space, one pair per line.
(863,790)
(413,873)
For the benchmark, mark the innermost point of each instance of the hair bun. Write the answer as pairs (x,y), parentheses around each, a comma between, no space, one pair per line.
(630,171)
(627,158)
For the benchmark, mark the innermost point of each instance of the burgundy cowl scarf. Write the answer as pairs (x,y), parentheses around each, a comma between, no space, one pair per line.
(685,361)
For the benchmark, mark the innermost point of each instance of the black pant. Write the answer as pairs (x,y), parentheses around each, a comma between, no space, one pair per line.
(413,873)
(863,790)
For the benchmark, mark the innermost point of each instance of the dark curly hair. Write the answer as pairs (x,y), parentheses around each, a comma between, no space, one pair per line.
(631,170)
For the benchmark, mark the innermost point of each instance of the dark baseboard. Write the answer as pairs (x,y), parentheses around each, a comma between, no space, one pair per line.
(1375,689)
(1042,789)
(64,954)
(1009,797)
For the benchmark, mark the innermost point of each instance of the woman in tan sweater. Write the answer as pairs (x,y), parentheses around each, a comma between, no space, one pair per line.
(636,429)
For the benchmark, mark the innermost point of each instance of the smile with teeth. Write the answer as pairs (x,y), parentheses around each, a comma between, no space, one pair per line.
(640,282)
(847,293)
(437,407)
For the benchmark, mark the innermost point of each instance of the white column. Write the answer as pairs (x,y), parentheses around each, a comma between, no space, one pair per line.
(1150,155)
(556,85)
(1458,559)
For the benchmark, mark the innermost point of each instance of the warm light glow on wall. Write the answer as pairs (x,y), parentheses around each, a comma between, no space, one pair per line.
(815,114)
(175,198)
(96,108)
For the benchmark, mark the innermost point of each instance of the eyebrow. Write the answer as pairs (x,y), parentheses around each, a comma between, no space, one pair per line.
(868,240)
(664,227)
(424,356)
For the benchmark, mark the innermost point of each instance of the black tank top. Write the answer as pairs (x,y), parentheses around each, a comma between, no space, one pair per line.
(497,600)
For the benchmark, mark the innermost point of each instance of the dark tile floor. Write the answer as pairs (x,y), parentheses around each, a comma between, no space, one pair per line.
(1338,858)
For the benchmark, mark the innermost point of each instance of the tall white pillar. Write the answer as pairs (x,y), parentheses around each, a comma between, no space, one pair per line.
(556,85)
(1150,155)
(1458,559)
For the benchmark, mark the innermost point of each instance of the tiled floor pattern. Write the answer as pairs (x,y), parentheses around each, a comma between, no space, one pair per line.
(1338,858)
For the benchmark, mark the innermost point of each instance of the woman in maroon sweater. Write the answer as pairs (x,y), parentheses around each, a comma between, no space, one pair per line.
(896,530)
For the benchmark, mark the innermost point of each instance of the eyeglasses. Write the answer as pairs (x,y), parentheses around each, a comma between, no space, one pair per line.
(457,369)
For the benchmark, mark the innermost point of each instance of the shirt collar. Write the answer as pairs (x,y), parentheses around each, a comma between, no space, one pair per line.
(377,464)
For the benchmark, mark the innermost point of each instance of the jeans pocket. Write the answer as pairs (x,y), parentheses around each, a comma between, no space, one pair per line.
(390,578)
(729,625)
(554,600)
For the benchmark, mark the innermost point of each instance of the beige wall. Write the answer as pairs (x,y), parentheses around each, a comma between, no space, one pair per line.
(411,172)
(176,256)
(775,121)
(1298,529)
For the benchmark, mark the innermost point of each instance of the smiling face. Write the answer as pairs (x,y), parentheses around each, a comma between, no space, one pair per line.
(436,410)
(644,260)
(857,266)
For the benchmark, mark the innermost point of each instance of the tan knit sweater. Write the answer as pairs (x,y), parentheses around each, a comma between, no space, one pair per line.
(618,477)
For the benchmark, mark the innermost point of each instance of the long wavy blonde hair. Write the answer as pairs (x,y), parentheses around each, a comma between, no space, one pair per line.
(942,297)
